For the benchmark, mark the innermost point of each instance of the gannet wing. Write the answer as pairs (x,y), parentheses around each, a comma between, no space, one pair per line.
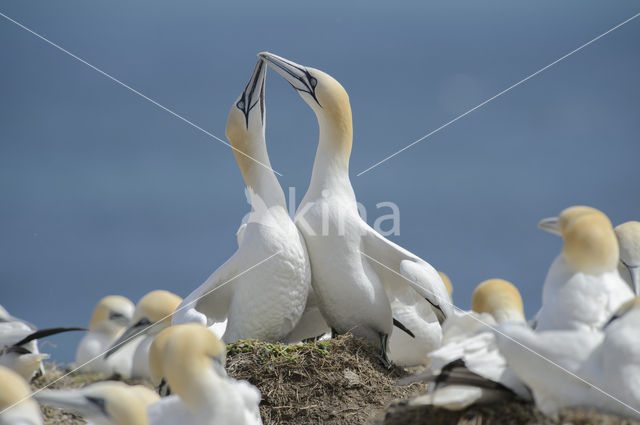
(400,269)
(210,301)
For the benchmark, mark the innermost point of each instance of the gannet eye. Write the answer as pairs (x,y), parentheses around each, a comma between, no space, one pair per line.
(313,82)
(240,104)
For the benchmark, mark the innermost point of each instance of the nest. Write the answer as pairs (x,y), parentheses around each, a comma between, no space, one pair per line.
(341,381)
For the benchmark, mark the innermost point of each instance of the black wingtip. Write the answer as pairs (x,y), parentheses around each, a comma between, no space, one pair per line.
(402,327)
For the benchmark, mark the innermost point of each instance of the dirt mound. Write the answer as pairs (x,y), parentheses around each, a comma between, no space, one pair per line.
(331,382)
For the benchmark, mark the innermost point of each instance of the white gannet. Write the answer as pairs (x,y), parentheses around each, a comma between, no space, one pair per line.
(468,368)
(266,301)
(103,403)
(151,315)
(110,317)
(16,406)
(583,287)
(19,345)
(356,272)
(628,235)
(608,359)
(193,364)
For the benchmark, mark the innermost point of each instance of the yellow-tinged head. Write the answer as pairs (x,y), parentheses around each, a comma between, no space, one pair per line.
(152,314)
(190,353)
(447,282)
(590,244)
(13,389)
(156,306)
(325,95)
(112,314)
(499,298)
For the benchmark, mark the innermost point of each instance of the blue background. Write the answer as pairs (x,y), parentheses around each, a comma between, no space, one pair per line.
(101,192)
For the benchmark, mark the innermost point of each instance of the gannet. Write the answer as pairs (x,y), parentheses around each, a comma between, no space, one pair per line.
(110,317)
(16,406)
(628,235)
(262,289)
(356,272)
(19,345)
(583,287)
(152,314)
(193,364)
(468,368)
(562,367)
(103,403)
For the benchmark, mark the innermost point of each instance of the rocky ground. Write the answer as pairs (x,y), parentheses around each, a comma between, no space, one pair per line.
(335,382)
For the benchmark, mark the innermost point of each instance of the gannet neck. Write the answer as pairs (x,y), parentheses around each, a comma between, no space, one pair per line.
(253,161)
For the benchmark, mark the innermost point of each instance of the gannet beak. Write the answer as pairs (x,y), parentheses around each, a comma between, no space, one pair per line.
(297,75)
(253,94)
(550,225)
(132,332)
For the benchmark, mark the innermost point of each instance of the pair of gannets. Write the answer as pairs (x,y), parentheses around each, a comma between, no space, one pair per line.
(580,367)
(358,276)
(110,317)
(152,314)
(262,290)
(468,368)
(19,345)
(583,287)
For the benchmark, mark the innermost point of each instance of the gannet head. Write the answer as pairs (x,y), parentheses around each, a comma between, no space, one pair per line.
(155,355)
(15,403)
(112,314)
(447,282)
(326,96)
(499,298)
(152,314)
(628,235)
(191,354)
(590,245)
(104,402)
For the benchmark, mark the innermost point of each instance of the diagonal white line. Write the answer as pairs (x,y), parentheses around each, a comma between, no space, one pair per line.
(109,76)
(444,301)
(141,332)
(499,94)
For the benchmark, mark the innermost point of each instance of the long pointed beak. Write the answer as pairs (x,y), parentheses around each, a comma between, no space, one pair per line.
(550,225)
(253,94)
(297,75)
(129,334)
